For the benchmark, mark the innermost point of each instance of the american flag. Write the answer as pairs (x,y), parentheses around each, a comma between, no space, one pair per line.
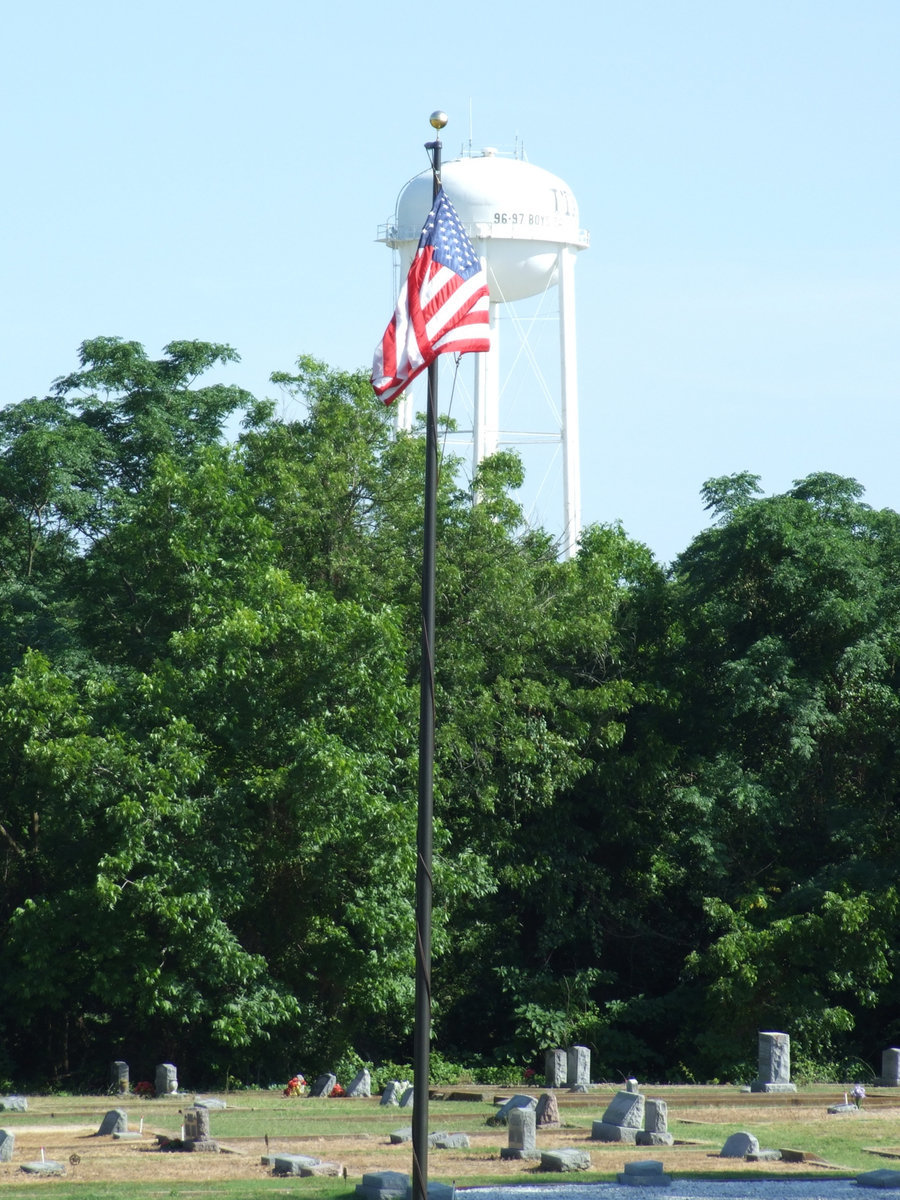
(442,307)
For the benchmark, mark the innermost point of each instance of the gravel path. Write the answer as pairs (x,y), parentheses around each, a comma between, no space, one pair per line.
(691,1189)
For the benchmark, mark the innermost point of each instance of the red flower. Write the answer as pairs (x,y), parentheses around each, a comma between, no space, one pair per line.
(337,1090)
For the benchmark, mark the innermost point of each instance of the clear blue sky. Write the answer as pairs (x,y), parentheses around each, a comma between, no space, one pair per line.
(219,170)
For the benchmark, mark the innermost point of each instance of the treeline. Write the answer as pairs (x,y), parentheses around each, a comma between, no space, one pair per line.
(666,800)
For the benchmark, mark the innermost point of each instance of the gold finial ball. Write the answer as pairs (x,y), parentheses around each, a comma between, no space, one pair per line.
(438,119)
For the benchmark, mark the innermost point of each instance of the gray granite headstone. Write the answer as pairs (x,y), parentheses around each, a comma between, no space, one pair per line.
(322,1168)
(391,1094)
(291,1164)
(578,1066)
(13,1104)
(882,1178)
(210,1102)
(361,1085)
(501,1116)
(522,1142)
(119,1078)
(47,1166)
(196,1123)
(567,1158)
(166,1080)
(115,1121)
(622,1121)
(644,1174)
(7,1145)
(383,1185)
(890,1067)
(656,1116)
(408,1099)
(774,1064)
(656,1128)
(739,1145)
(555,1068)
(625,1108)
(323,1086)
(448,1141)
(436,1190)
(400,1136)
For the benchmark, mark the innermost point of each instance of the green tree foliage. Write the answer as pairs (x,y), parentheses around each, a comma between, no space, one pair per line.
(788,612)
(664,802)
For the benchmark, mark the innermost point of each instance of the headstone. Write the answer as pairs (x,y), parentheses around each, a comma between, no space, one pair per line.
(166,1080)
(565,1159)
(118,1078)
(739,1145)
(890,1067)
(47,1166)
(625,1108)
(115,1121)
(196,1131)
(383,1185)
(291,1164)
(555,1068)
(449,1141)
(546,1114)
(7,1145)
(13,1104)
(501,1116)
(623,1119)
(656,1126)
(210,1102)
(631,1085)
(196,1123)
(322,1168)
(774,1064)
(882,1178)
(361,1085)
(578,1067)
(644,1174)
(323,1086)
(407,1100)
(400,1136)
(436,1191)
(391,1093)
(521,1141)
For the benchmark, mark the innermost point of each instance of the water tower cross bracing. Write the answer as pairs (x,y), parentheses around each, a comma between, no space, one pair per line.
(523,223)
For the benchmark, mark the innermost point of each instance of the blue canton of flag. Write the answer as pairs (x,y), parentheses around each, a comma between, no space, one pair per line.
(442,307)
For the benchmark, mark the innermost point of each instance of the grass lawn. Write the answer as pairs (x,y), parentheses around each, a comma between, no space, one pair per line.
(356,1133)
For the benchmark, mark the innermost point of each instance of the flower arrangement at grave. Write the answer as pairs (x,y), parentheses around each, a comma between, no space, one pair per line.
(528,1074)
(858,1092)
(145,1089)
(337,1090)
(295,1086)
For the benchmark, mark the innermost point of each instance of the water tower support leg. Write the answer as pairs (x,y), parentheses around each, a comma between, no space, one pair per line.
(569,386)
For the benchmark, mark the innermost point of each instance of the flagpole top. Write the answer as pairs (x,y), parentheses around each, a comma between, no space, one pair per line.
(438,119)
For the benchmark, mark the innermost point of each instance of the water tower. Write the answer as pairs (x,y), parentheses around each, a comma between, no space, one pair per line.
(523,223)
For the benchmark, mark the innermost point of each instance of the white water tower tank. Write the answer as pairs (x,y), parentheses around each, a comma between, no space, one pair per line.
(517,216)
(523,224)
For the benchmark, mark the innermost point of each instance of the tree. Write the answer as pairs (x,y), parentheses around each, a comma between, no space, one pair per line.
(788,665)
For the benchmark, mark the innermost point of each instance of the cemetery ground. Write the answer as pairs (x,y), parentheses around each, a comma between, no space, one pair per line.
(356,1133)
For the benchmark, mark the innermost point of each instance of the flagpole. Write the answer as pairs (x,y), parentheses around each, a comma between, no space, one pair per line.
(422,1028)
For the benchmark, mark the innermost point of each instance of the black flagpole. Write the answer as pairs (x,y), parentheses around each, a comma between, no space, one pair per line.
(422,1029)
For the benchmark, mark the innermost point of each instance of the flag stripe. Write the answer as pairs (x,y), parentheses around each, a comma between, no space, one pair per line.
(443,305)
